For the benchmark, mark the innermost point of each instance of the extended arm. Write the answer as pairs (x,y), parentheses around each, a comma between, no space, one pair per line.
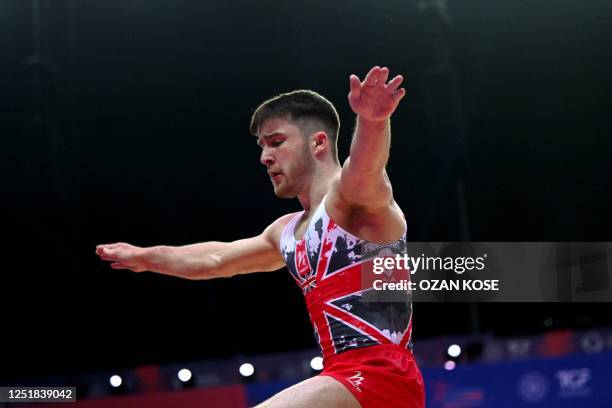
(205,260)
(364,180)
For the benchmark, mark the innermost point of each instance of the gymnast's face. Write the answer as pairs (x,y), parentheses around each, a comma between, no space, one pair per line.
(286,155)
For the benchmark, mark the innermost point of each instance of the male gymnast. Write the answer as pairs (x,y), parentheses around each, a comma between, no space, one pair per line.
(349,217)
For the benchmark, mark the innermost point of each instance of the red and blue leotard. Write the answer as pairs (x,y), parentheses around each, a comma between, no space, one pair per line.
(353,322)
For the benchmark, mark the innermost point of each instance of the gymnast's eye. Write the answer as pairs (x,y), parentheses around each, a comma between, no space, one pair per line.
(276,142)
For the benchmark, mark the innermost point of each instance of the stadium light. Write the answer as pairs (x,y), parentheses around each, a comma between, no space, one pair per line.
(454,350)
(116,381)
(316,363)
(246,370)
(184,375)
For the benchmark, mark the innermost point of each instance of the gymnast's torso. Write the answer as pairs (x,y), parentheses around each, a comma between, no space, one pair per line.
(333,268)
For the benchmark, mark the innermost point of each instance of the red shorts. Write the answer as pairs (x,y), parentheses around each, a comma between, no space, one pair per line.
(384,376)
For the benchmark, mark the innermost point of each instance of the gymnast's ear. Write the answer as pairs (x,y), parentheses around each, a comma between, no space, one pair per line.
(319,142)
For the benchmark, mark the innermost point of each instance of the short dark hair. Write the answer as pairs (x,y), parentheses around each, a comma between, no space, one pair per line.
(297,106)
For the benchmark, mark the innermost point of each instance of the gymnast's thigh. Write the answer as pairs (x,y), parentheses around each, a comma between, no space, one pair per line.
(319,391)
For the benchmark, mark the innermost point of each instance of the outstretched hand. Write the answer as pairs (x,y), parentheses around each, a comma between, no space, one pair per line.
(122,256)
(374,99)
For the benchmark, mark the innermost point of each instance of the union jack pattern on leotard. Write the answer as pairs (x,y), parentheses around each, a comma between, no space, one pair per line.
(334,270)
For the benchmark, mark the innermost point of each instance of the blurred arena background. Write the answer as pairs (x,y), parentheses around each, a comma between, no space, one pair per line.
(128,121)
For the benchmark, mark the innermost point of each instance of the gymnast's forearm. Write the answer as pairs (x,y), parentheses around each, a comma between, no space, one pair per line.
(370,146)
(195,261)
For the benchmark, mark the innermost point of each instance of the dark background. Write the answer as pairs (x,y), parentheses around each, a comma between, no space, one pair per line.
(127,120)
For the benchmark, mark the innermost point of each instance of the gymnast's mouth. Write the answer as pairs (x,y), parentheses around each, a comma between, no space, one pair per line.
(274,176)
